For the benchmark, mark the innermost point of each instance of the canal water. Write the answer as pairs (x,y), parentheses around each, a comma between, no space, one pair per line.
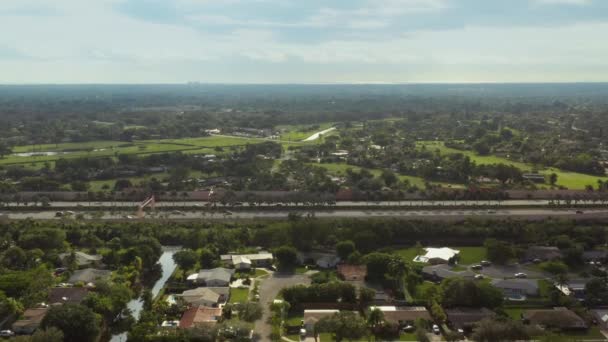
(168,266)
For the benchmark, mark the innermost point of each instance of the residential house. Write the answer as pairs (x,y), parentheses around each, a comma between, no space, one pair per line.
(517,289)
(350,272)
(81,259)
(215,277)
(574,288)
(30,321)
(436,256)
(466,318)
(542,253)
(89,276)
(555,318)
(321,259)
(200,315)
(206,296)
(595,255)
(311,317)
(601,317)
(67,295)
(437,273)
(247,261)
(403,315)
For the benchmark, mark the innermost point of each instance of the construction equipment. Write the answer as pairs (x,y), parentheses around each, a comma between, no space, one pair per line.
(150,201)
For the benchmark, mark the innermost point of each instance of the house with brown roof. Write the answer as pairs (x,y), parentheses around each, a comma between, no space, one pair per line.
(200,315)
(558,318)
(467,318)
(30,321)
(403,315)
(67,295)
(350,272)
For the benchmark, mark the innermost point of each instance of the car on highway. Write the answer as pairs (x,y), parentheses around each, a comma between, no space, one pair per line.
(521,275)
(579,212)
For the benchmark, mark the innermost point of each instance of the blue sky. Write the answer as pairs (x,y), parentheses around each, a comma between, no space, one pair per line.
(310,41)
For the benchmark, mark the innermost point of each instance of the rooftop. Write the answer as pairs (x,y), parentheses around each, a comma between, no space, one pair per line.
(444,253)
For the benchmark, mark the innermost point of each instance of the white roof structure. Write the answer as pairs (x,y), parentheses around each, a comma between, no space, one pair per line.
(241,259)
(444,253)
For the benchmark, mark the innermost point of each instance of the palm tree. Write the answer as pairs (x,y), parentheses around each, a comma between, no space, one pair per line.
(375,317)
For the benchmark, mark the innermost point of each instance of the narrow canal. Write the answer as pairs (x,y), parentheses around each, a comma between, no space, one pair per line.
(168,266)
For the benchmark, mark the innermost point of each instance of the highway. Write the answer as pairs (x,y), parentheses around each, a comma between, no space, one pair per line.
(432,214)
(416,203)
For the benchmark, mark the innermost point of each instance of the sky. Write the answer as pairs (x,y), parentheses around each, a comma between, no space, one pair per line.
(303,41)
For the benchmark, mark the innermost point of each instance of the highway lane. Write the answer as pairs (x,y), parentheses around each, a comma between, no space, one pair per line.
(180,204)
(448,214)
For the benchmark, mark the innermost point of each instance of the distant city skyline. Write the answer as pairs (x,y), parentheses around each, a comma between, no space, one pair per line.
(283,41)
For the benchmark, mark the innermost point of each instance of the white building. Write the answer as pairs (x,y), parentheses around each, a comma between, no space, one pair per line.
(437,255)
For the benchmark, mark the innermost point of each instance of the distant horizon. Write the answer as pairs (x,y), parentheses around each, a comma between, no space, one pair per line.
(304,84)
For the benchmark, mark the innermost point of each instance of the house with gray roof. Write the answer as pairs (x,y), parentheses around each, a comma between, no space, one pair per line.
(89,275)
(81,258)
(443,271)
(206,296)
(215,277)
(517,288)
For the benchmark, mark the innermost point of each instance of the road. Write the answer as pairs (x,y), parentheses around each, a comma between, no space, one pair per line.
(269,289)
(427,214)
(413,203)
(319,134)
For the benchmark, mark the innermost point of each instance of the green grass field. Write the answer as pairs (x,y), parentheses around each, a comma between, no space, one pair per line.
(468,255)
(239,295)
(571,180)
(301,132)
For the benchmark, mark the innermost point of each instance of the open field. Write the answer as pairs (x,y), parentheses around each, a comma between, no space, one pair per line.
(571,180)
(301,132)
(238,295)
(97,149)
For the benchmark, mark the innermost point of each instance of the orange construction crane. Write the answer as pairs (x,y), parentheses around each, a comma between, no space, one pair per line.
(150,201)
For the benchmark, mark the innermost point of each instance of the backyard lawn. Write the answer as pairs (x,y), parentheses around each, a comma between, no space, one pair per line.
(238,295)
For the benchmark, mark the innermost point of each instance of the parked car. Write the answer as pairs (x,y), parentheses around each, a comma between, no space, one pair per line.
(580,212)
(476,267)
(409,328)
(6,333)
(479,276)
(521,275)
(436,330)
(486,263)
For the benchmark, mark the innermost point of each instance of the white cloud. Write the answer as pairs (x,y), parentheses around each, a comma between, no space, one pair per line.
(563,2)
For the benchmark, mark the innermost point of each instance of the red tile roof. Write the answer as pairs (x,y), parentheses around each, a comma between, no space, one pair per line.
(197,315)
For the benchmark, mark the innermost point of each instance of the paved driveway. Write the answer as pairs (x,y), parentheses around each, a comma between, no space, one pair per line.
(269,289)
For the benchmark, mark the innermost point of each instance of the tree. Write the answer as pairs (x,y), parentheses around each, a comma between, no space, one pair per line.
(389,178)
(553,178)
(468,293)
(596,292)
(344,325)
(47,335)
(489,330)
(375,317)
(207,258)
(437,312)
(185,259)
(286,256)
(249,311)
(345,249)
(499,252)
(78,323)
(14,258)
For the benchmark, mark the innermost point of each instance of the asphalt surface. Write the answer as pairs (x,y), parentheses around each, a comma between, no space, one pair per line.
(269,289)
(427,214)
(417,203)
